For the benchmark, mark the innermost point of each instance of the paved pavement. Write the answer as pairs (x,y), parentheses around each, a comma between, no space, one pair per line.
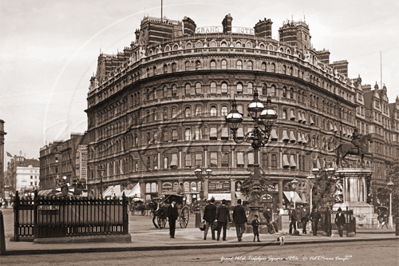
(145,237)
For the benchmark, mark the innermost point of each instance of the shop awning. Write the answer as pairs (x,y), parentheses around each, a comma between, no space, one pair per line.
(219,196)
(293,196)
(45,193)
(112,191)
(292,136)
(134,192)
(285,135)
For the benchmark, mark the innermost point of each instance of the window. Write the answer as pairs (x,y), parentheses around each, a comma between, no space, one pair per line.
(213,64)
(213,111)
(250,65)
(239,64)
(213,133)
(188,160)
(174,135)
(198,65)
(272,91)
(225,133)
(187,66)
(174,90)
(198,111)
(274,160)
(264,66)
(250,159)
(224,88)
(174,67)
(292,93)
(188,112)
(166,136)
(264,90)
(224,111)
(240,159)
(249,88)
(165,114)
(239,88)
(225,160)
(198,89)
(272,67)
(188,89)
(154,115)
(213,87)
(165,69)
(213,159)
(265,164)
(174,113)
(284,92)
(284,116)
(198,159)
(165,162)
(224,64)
(197,134)
(187,134)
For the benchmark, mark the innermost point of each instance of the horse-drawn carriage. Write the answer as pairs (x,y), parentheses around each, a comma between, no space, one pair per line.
(162,212)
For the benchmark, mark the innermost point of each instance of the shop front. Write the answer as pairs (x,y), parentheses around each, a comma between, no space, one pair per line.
(219,190)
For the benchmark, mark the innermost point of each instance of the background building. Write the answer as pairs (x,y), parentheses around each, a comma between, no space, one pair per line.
(156,111)
(64,158)
(23,175)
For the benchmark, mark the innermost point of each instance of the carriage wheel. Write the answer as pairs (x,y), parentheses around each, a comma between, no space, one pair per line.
(184,217)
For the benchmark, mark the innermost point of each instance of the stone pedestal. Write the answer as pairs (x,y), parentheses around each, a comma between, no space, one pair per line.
(355,196)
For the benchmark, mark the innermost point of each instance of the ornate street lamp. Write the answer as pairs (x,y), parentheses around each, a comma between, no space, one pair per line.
(390,186)
(198,172)
(264,117)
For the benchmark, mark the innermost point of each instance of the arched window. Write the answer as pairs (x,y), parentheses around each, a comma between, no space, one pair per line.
(284,114)
(250,65)
(174,113)
(213,64)
(187,89)
(249,88)
(174,67)
(165,114)
(291,93)
(213,87)
(212,44)
(223,44)
(198,89)
(188,112)
(187,66)
(239,88)
(198,111)
(188,46)
(263,66)
(224,111)
(154,115)
(272,67)
(239,64)
(284,92)
(224,64)
(165,69)
(174,90)
(224,88)
(198,65)
(213,111)
(272,91)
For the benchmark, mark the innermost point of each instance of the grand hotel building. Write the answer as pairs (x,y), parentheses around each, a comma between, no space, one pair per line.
(156,111)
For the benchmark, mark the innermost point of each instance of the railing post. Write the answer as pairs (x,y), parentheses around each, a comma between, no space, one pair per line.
(125,215)
(16,216)
(35,204)
(2,235)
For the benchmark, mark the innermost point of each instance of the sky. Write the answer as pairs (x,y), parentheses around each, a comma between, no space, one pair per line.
(49,50)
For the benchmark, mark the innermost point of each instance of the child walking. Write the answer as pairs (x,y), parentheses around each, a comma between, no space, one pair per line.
(255,227)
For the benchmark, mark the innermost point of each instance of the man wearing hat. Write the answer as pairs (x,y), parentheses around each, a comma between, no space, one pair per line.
(315,216)
(340,221)
(223,217)
(209,217)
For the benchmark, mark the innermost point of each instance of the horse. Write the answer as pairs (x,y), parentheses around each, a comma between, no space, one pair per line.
(349,148)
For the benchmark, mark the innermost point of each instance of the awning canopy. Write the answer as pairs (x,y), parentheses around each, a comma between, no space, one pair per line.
(220,196)
(45,192)
(292,196)
(132,193)
(112,191)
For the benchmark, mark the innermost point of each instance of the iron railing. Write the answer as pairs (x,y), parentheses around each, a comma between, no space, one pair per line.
(49,217)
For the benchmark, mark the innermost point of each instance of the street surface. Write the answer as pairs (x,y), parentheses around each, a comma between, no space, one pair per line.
(382,253)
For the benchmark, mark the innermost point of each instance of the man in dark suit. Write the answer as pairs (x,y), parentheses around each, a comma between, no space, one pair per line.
(240,218)
(315,216)
(223,217)
(173,214)
(293,217)
(268,216)
(304,218)
(340,221)
(209,217)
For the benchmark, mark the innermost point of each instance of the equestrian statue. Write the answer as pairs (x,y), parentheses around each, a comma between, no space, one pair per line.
(359,146)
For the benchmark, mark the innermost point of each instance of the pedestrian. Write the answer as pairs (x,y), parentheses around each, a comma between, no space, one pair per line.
(172,216)
(304,218)
(315,216)
(340,222)
(268,216)
(255,227)
(240,218)
(292,217)
(223,217)
(209,217)
(154,210)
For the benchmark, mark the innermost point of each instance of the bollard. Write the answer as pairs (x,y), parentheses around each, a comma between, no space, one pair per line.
(2,235)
